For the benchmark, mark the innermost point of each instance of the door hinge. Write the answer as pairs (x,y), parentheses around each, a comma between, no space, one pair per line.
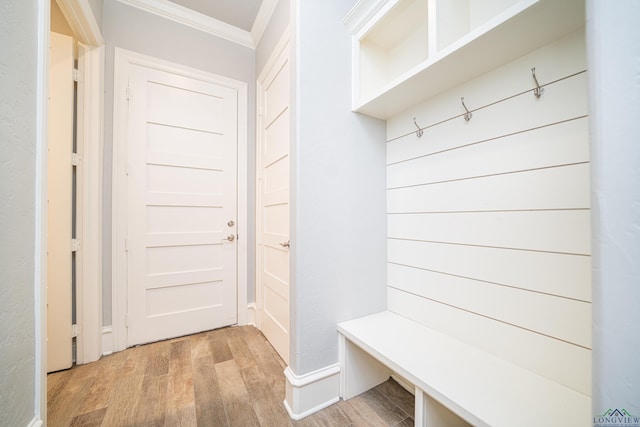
(126,320)
(75,330)
(76,75)
(126,245)
(75,159)
(128,92)
(75,245)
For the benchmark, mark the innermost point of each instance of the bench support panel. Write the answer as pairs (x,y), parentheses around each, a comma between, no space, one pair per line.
(431,413)
(359,371)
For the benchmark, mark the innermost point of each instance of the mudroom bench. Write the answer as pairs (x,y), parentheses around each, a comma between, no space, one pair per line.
(455,383)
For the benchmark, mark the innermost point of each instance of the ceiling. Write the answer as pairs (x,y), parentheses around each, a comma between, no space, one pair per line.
(239,13)
(239,21)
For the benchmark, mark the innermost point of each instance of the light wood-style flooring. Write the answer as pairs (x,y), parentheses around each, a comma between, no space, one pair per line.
(227,377)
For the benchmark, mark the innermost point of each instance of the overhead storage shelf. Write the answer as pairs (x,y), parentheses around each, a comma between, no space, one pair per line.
(405,51)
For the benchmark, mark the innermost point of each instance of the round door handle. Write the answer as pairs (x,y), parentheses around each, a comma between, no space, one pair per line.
(230,237)
(285,244)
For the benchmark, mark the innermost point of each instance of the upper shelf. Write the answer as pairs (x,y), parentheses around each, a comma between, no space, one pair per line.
(405,51)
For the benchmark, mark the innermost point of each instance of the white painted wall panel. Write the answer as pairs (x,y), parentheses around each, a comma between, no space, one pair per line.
(512,229)
(488,220)
(539,148)
(563,318)
(562,187)
(557,274)
(561,101)
(560,361)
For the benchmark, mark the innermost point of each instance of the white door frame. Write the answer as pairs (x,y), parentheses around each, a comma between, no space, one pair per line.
(274,57)
(124,59)
(82,21)
(90,134)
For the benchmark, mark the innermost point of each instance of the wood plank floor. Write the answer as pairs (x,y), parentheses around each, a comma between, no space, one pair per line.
(227,377)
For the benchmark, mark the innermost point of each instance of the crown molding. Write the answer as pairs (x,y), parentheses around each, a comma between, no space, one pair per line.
(362,12)
(262,19)
(196,20)
(80,17)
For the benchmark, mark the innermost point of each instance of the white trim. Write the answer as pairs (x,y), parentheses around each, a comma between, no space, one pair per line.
(80,17)
(267,7)
(194,19)
(362,12)
(251,314)
(40,243)
(242,196)
(312,392)
(89,261)
(35,422)
(124,59)
(107,340)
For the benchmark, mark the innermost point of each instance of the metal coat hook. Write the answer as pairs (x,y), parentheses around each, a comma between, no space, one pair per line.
(538,91)
(468,114)
(419,132)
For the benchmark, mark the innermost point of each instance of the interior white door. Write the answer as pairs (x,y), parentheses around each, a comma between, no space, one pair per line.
(182,207)
(273,204)
(59,204)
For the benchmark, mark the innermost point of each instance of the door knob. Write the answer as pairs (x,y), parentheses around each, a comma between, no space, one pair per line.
(230,237)
(285,244)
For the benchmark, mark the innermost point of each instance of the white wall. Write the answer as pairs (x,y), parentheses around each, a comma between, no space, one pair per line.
(489,220)
(277,24)
(18,83)
(338,191)
(96,8)
(614,67)
(130,28)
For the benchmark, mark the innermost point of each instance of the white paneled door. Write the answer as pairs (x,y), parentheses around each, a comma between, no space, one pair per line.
(273,203)
(182,205)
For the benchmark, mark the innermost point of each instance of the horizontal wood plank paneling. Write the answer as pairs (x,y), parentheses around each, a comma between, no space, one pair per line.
(511,229)
(563,318)
(560,361)
(557,274)
(549,146)
(563,101)
(562,187)
(489,220)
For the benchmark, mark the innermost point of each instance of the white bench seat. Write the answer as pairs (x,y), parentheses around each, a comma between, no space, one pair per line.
(482,389)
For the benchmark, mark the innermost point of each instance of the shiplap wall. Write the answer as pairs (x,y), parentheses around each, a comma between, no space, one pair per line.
(489,220)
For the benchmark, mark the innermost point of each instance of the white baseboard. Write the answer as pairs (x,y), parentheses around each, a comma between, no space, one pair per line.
(36,422)
(309,393)
(251,314)
(107,340)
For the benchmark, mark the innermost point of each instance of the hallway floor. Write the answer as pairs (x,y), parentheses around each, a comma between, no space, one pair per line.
(227,377)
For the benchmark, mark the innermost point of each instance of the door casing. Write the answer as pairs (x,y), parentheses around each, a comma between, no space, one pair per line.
(123,60)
